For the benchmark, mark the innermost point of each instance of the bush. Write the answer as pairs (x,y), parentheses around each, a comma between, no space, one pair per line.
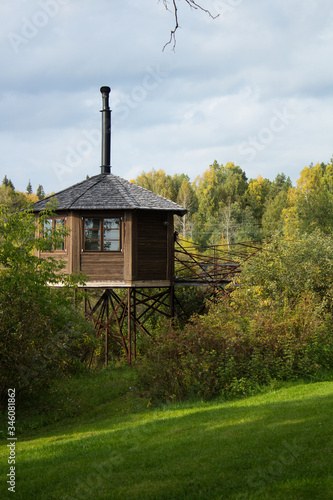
(228,352)
(40,340)
(42,336)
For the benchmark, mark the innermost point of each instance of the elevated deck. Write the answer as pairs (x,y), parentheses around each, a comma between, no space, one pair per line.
(212,266)
(124,308)
(195,266)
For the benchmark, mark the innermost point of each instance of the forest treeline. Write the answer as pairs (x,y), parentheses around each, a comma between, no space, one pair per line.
(275,325)
(276,322)
(225,207)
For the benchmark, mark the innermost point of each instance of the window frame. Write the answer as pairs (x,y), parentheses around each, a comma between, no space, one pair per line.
(53,220)
(101,230)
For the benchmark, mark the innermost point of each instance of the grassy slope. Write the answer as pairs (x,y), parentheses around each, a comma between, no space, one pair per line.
(277,445)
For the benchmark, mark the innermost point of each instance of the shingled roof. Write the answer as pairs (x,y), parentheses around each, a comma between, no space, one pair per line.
(109,192)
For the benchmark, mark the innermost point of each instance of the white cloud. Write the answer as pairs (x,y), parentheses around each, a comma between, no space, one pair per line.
(177,110)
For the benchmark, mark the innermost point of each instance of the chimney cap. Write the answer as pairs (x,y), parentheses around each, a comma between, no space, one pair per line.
(105,90)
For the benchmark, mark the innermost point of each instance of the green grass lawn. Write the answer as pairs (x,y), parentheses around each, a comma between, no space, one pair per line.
(95,438)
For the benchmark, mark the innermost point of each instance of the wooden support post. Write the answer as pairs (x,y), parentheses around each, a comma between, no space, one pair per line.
(172,302)
(129,326)
(106,331)
(134,323)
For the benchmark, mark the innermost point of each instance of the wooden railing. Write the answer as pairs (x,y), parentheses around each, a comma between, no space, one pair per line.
(213,265)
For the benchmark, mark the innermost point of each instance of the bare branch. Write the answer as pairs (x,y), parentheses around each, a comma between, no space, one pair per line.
(173,32)
(193,5)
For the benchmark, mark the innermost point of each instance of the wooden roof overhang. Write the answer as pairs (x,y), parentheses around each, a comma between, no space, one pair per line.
(108,192)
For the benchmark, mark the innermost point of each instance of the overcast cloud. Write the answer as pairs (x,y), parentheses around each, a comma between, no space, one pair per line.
(254,87)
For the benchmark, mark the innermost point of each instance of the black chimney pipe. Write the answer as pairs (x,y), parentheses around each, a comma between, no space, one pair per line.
(106,131)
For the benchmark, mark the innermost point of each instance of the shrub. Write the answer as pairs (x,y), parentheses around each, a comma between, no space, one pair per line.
(229,352)
(41,335)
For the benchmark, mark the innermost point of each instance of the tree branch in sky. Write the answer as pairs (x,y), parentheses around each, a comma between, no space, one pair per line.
(193,5)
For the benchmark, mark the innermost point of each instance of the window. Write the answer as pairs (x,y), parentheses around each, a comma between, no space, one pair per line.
(102,234)
(49,226)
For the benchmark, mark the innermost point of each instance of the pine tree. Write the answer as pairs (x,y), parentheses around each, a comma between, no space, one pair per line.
(8,183)
(29,188)
(40,192)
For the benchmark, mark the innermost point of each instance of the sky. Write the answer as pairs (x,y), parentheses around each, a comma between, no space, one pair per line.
(254,86)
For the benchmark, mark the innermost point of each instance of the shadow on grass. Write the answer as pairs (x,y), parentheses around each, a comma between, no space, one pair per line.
(270,446)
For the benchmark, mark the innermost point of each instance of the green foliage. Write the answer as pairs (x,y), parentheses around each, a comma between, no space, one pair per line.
(315,198)
(40,192)
(12,200)
(287,268)
(161,183)
(222,205)
(29,188)
(277,325)
(230,351)
(217,189)
(256,196)
(272,220)
(8,183)
(41,335)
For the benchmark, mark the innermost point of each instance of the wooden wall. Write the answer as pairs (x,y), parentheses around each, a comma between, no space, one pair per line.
(101,266)
(97,266)
(152,246)
(147,249)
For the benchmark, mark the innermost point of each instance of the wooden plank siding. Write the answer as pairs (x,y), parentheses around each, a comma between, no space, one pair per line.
(147,254)
(74,245)
(129,246)
(103,266)
(152,248)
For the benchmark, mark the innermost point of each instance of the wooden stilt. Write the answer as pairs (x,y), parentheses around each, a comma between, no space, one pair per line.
(134,323)
(172,303)
(107,332)
(129,326)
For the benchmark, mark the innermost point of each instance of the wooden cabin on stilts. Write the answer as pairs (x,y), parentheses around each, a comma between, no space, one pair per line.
(122,239)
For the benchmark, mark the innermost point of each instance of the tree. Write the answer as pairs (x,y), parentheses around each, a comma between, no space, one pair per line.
(187,199)
(228,227)
(287,269)
(276,203)
(314,198)
(29,188)
(256,196)
(280,183)
(218,188)
(11,199)
(8,183)
(310,204)
(41,335)
(161,183)
(272,219)
(40,192)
